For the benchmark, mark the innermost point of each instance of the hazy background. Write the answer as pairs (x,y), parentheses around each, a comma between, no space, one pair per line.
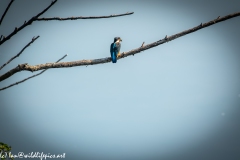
(177,101)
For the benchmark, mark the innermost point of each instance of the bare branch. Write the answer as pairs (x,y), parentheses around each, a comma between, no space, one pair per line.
(26,67)
(35,75)
(33,39)
(35,18)
(29,22)
(75,18)
(6,11)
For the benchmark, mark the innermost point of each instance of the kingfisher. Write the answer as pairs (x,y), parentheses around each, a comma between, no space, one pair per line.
(115,49)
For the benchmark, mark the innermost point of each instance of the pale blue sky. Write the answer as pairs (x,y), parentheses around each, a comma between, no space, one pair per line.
(166,102)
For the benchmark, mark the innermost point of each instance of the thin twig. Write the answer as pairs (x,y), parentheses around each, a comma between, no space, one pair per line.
(33,39)
(30,76)
(29,22)
(81,17)
(6,11)
(26,67)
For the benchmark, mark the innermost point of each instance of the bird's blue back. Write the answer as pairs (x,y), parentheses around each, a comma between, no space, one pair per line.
(114,50)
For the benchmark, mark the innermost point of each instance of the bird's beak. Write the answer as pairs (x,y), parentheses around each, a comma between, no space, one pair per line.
(121,40)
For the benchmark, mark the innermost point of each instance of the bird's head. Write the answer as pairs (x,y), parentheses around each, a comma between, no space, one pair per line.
(117,39)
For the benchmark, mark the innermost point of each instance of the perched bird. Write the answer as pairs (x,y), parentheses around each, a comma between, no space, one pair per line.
(115,49)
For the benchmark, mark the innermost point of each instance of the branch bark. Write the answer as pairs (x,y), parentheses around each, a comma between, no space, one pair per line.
(33,39)
(6,11)
(26,67)
(30,76)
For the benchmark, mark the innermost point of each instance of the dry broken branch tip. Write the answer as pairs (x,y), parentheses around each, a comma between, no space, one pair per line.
(29,77)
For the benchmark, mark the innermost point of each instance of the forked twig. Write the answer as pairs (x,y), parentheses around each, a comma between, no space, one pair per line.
(36,18)
(29,22)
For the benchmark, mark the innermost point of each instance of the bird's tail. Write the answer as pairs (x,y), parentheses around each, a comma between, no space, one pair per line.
(114,57)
